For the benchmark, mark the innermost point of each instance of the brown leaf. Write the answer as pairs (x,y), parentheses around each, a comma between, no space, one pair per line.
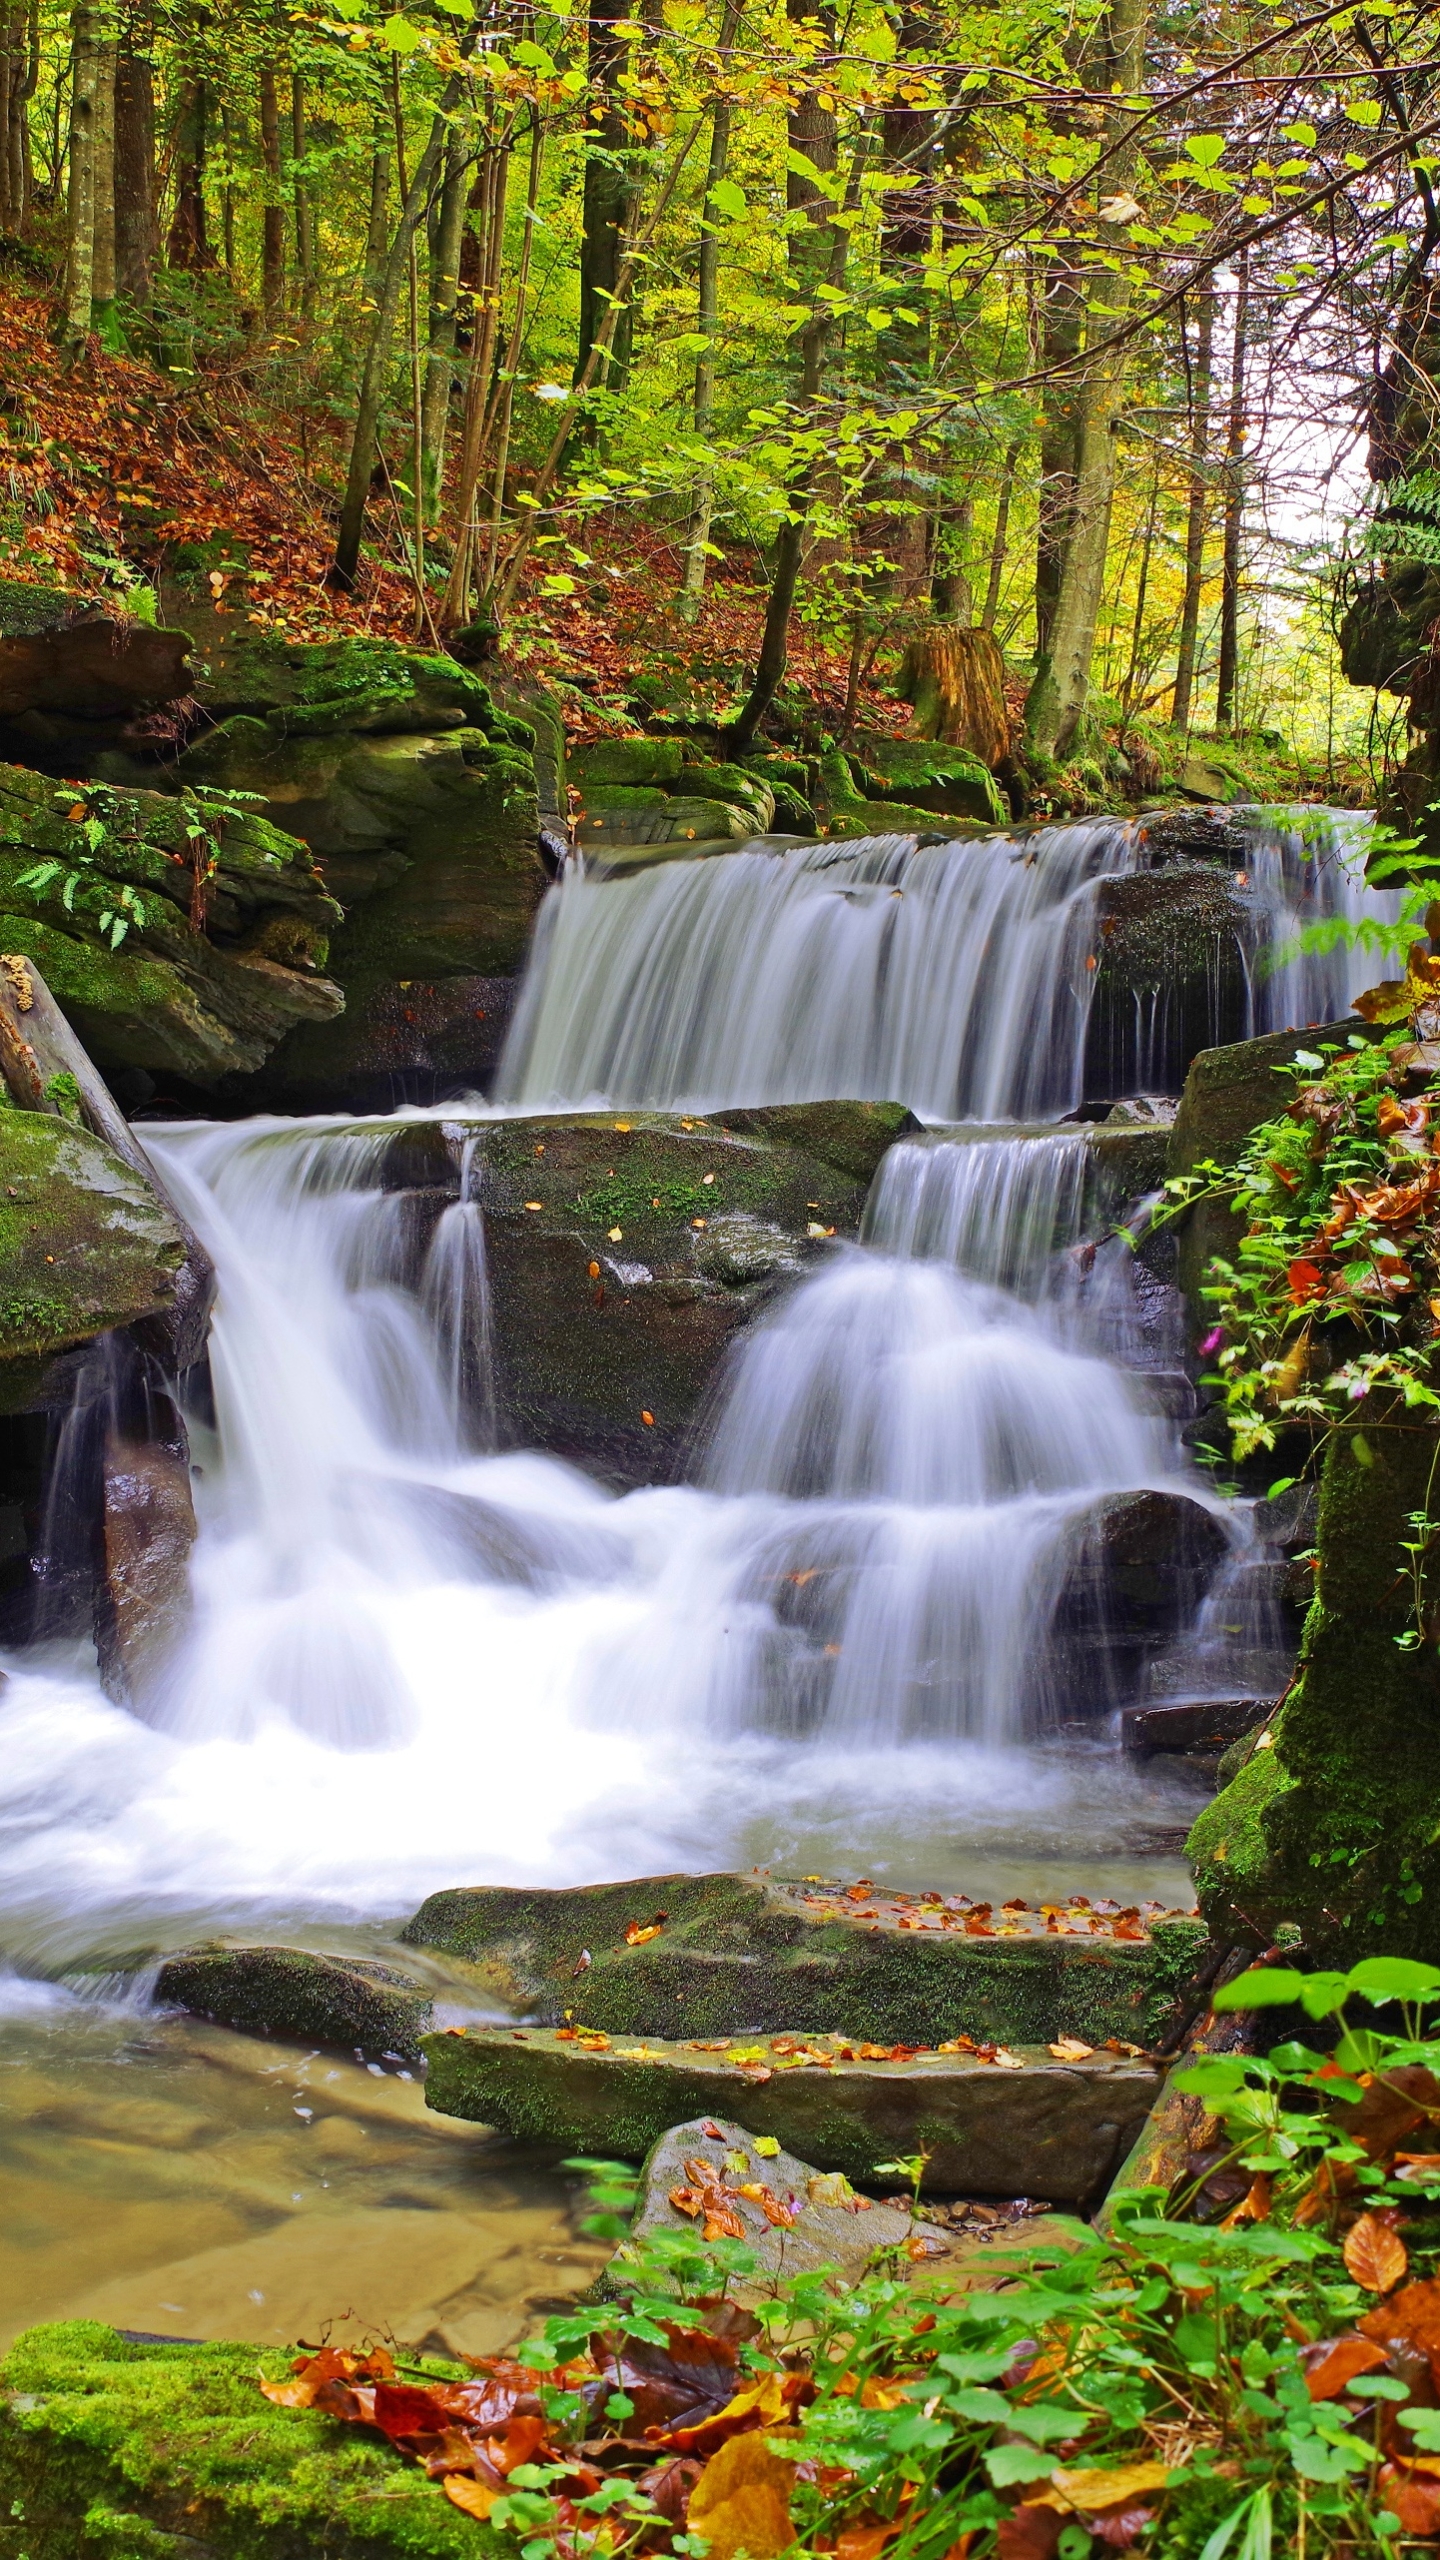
(1031,2533)
(741,2501)
(1332,2362)
(1411,2318)
(865,2541)
(1414,2501)
(762,2404)
(1375,2254)
(1090,2492)
(331,2365)
(401,2409)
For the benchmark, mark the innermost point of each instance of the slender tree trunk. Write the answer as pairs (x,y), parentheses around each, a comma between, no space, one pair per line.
(102,282)
(707,320)
(12,55)
(80,206)
(1058,694)
(304,200)
(1062,322)
(492,186)
(135,240)
(951,595)
(188,245)
(1000,538)
(440,354)
(1142,587)
(272,216)
(377,353)
(377,230)
(608,196)
(1234,504)
(510,362)
(1200,380)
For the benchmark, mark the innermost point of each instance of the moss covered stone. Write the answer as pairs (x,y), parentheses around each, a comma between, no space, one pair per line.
(291,1991)
(84,1242)
(609,761)
(930,776)
(1333,1826)
(1048,2128)
(626,1250)
(156,2450)
(738,1953)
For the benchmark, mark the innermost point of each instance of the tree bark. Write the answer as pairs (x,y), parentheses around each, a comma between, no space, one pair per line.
(80,204)
(1058,694)
(372,380)
(272,214)
(136,244)
(505,402)
(1229,667)
(488,199)
(1062,322)
(377,231)
(304,200)
(1000,538)
(1200,381)
(446,230)
(608,197)
(102,282)
(707,318)
(188,244)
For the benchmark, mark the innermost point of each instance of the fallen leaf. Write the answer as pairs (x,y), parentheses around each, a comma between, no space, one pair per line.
(760,2404)
(1332,2362)
(1374,2254)
(1070,2049)
(1031,2532)
(865,2541)
(1410,2318)
(1412,2500)
(741,2501)
(1090,2492)
(639,1932)
(473,2497)
(766,2144)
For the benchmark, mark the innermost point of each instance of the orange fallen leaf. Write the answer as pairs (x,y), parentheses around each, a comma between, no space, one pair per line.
(741,2501)
(1374,2254)
(473,2497)
(1333,2362)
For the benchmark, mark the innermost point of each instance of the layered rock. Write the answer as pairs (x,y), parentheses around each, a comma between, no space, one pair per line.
(343,2002)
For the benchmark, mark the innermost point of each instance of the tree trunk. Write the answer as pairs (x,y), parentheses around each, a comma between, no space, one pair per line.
(488,199)
(505,402)
(1062,320)
(304,200)
(1234,505)
(377,353)
(188,244)
(13,51)
(135,240)
(377,229)
(445,238)
(1000,537)
(1142,589)
(608,196)
(707,313)
(102,282)
(951,594)
(80,205)
(1200,380)
(272,217)
(955,679)
(1058,694)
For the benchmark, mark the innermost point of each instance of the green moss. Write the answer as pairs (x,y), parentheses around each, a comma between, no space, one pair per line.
(62,1092)
(84,1243)
(123,2450)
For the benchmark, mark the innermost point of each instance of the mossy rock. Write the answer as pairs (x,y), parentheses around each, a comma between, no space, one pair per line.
(345,2002)
(746,790)
(626,1250)
(738,1953)
(84,1243)
(302,688)
(133,2449)
(626,761)
(1047,2128)
(929,776)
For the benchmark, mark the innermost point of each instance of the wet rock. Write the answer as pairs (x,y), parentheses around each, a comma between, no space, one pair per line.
(639,760)
(625,1252)
(1141,1564)
(835,2226)
(72,674)
(148,1530)
(738,1953)
(1202,778)
(1195,835)
(85,1244)
(1197,1727)
(1172,969)
(615,815)
(928,776)
(1044,2128)
(310,1999)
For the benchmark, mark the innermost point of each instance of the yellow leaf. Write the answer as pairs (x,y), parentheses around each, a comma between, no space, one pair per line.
(1070,2049)
(767,2146)
(1090,2492)
(473,2497)
(741,2501)
(615,1234)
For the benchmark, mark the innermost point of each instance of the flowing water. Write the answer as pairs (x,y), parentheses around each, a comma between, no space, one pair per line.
(419,1659)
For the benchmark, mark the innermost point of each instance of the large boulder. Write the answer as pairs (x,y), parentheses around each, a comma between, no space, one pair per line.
(417,793)
(626,1250)
(725,1954)
(1031,2125)
(928,776)
(1172,972)
(345,2002)
(85,1245)
(182,938)
(76,677)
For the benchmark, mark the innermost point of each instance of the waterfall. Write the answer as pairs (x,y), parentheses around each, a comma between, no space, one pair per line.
(956,977)
(412,1662)
(950,976)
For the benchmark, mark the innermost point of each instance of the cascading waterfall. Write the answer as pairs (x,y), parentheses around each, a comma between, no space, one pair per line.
(413,1662)
(955,977)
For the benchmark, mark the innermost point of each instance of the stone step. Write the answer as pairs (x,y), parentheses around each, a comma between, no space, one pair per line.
(1031,2125)
(1201,1725)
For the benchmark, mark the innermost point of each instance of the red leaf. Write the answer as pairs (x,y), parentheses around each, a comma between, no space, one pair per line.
(1332,2362)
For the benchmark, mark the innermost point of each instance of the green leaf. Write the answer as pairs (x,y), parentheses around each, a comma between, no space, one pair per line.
(1270,1988)
(1009,2463)
(1384,1978)
(1363,110)
(401,35)
(1224,2534)
(728,199)
(1206,148)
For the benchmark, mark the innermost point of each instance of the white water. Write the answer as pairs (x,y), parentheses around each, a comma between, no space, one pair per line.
(955,977)
(415,1665)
